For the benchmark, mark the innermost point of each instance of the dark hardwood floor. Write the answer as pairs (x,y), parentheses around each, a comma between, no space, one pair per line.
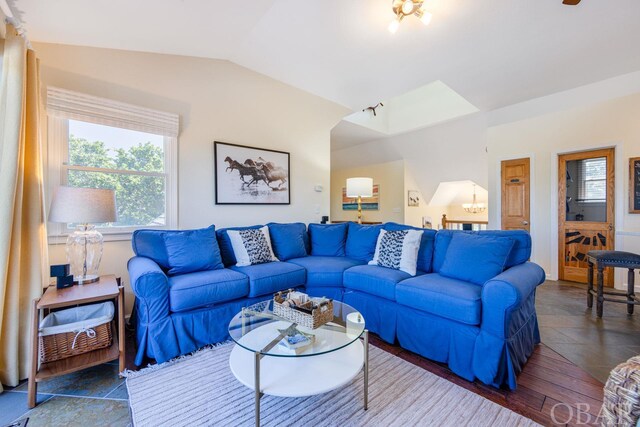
(551,390)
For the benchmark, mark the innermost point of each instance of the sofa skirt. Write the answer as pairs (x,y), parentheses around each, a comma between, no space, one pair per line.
(380,315)
(438,339)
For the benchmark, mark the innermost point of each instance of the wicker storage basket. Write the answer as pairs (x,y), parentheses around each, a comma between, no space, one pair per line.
(74,331)
(317,317)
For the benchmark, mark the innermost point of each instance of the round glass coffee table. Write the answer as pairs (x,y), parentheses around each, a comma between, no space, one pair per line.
(332,360)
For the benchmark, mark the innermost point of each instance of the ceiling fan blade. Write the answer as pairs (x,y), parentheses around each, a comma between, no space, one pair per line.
(571,2)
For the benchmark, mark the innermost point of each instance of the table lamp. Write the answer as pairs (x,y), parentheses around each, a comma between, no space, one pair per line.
(359,187)
(83,207)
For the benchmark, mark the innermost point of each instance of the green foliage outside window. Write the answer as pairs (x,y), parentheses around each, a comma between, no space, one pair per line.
(140,199)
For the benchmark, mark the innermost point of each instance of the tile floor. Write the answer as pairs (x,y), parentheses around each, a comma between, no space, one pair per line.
(98,397)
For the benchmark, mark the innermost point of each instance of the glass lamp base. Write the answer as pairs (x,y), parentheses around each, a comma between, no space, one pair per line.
(89,278)
(84,251)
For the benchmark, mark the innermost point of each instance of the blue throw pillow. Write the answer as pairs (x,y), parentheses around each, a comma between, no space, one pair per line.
(226,249)
(475,258)
(425,254)
(328,240)
(361,241)
(192,250)
(289,240)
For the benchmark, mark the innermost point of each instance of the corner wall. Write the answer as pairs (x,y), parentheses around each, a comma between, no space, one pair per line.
(389,176)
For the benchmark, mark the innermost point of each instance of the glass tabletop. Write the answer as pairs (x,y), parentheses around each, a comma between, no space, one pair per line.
(258,329)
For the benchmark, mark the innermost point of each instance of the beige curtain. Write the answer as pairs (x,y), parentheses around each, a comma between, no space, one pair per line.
(23,250)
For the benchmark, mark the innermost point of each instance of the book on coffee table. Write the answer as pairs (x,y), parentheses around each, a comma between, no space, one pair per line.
(295,341)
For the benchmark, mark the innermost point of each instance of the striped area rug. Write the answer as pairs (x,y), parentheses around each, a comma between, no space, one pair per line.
(201,390)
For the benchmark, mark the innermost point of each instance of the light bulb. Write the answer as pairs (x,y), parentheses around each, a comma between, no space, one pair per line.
(426,17)
(393,26)
(407,7)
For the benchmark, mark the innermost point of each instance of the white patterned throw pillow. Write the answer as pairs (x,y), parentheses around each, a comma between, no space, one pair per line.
(398,250)
(251,246)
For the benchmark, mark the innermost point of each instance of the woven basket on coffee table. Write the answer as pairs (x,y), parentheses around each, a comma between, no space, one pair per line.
(621,406)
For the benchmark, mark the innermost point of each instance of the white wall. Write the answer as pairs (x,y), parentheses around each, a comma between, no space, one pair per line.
(216,100)
(612,123)
(389,176)
(601,114)
(453,151)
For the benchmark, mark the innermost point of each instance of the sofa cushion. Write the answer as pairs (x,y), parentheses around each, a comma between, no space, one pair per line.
(251,246)
(361,241)
(328,239)
(150,244)
(374,280)
(398,250)
(226,249)
(266,279)
(475,258)
(325,270)
(445,297)
(425,254)
(194,290)
(289,240)
(192,250)
(520,253)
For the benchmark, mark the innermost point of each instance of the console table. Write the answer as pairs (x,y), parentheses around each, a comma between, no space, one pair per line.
(103,290)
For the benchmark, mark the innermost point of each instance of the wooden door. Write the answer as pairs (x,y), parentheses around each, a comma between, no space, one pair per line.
(585,211)
(516,213)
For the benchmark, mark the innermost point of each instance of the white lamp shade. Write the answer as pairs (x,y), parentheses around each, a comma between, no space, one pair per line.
(83,205)
(362,187)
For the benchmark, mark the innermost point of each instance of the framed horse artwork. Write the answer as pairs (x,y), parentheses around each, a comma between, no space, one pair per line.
(251,176)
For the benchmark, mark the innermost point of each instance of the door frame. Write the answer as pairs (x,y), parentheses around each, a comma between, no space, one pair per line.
(610,207)
(619,200)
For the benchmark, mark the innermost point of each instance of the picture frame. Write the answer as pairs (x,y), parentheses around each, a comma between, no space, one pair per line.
(634,185)
(246,175)
(413,198)
(368,203)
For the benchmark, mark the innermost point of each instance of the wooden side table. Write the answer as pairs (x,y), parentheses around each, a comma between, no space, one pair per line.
(103,290)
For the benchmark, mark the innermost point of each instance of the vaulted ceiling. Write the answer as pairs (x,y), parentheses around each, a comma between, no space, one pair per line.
(491,52)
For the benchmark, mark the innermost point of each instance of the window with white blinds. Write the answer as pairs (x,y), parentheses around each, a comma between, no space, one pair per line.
(101,143)
(592,180)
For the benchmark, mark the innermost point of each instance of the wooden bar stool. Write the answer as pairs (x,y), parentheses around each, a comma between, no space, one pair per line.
(617,259)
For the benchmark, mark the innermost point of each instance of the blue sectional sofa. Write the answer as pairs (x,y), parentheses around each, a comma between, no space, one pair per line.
(470,305)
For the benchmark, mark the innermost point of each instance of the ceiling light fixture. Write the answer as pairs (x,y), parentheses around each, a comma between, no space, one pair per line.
(474,207)
(404,8)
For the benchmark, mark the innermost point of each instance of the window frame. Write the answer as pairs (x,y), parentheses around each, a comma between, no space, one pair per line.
(582,181)
(57,173)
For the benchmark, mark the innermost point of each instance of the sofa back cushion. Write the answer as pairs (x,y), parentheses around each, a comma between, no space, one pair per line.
(361,241)
(425,254)
(150,244)
(226,249)
(328,239)
(520,253)
(476,258)
(192,250)
(289,240)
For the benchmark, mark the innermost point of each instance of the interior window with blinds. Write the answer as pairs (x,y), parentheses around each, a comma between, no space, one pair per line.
(100,143)
(592,180)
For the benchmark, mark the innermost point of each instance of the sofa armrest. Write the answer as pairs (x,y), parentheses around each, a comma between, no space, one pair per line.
(151,287)
(504,295)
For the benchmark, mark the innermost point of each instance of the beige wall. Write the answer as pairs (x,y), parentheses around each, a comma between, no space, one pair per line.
(612,123)
(216,100)
(390,177)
